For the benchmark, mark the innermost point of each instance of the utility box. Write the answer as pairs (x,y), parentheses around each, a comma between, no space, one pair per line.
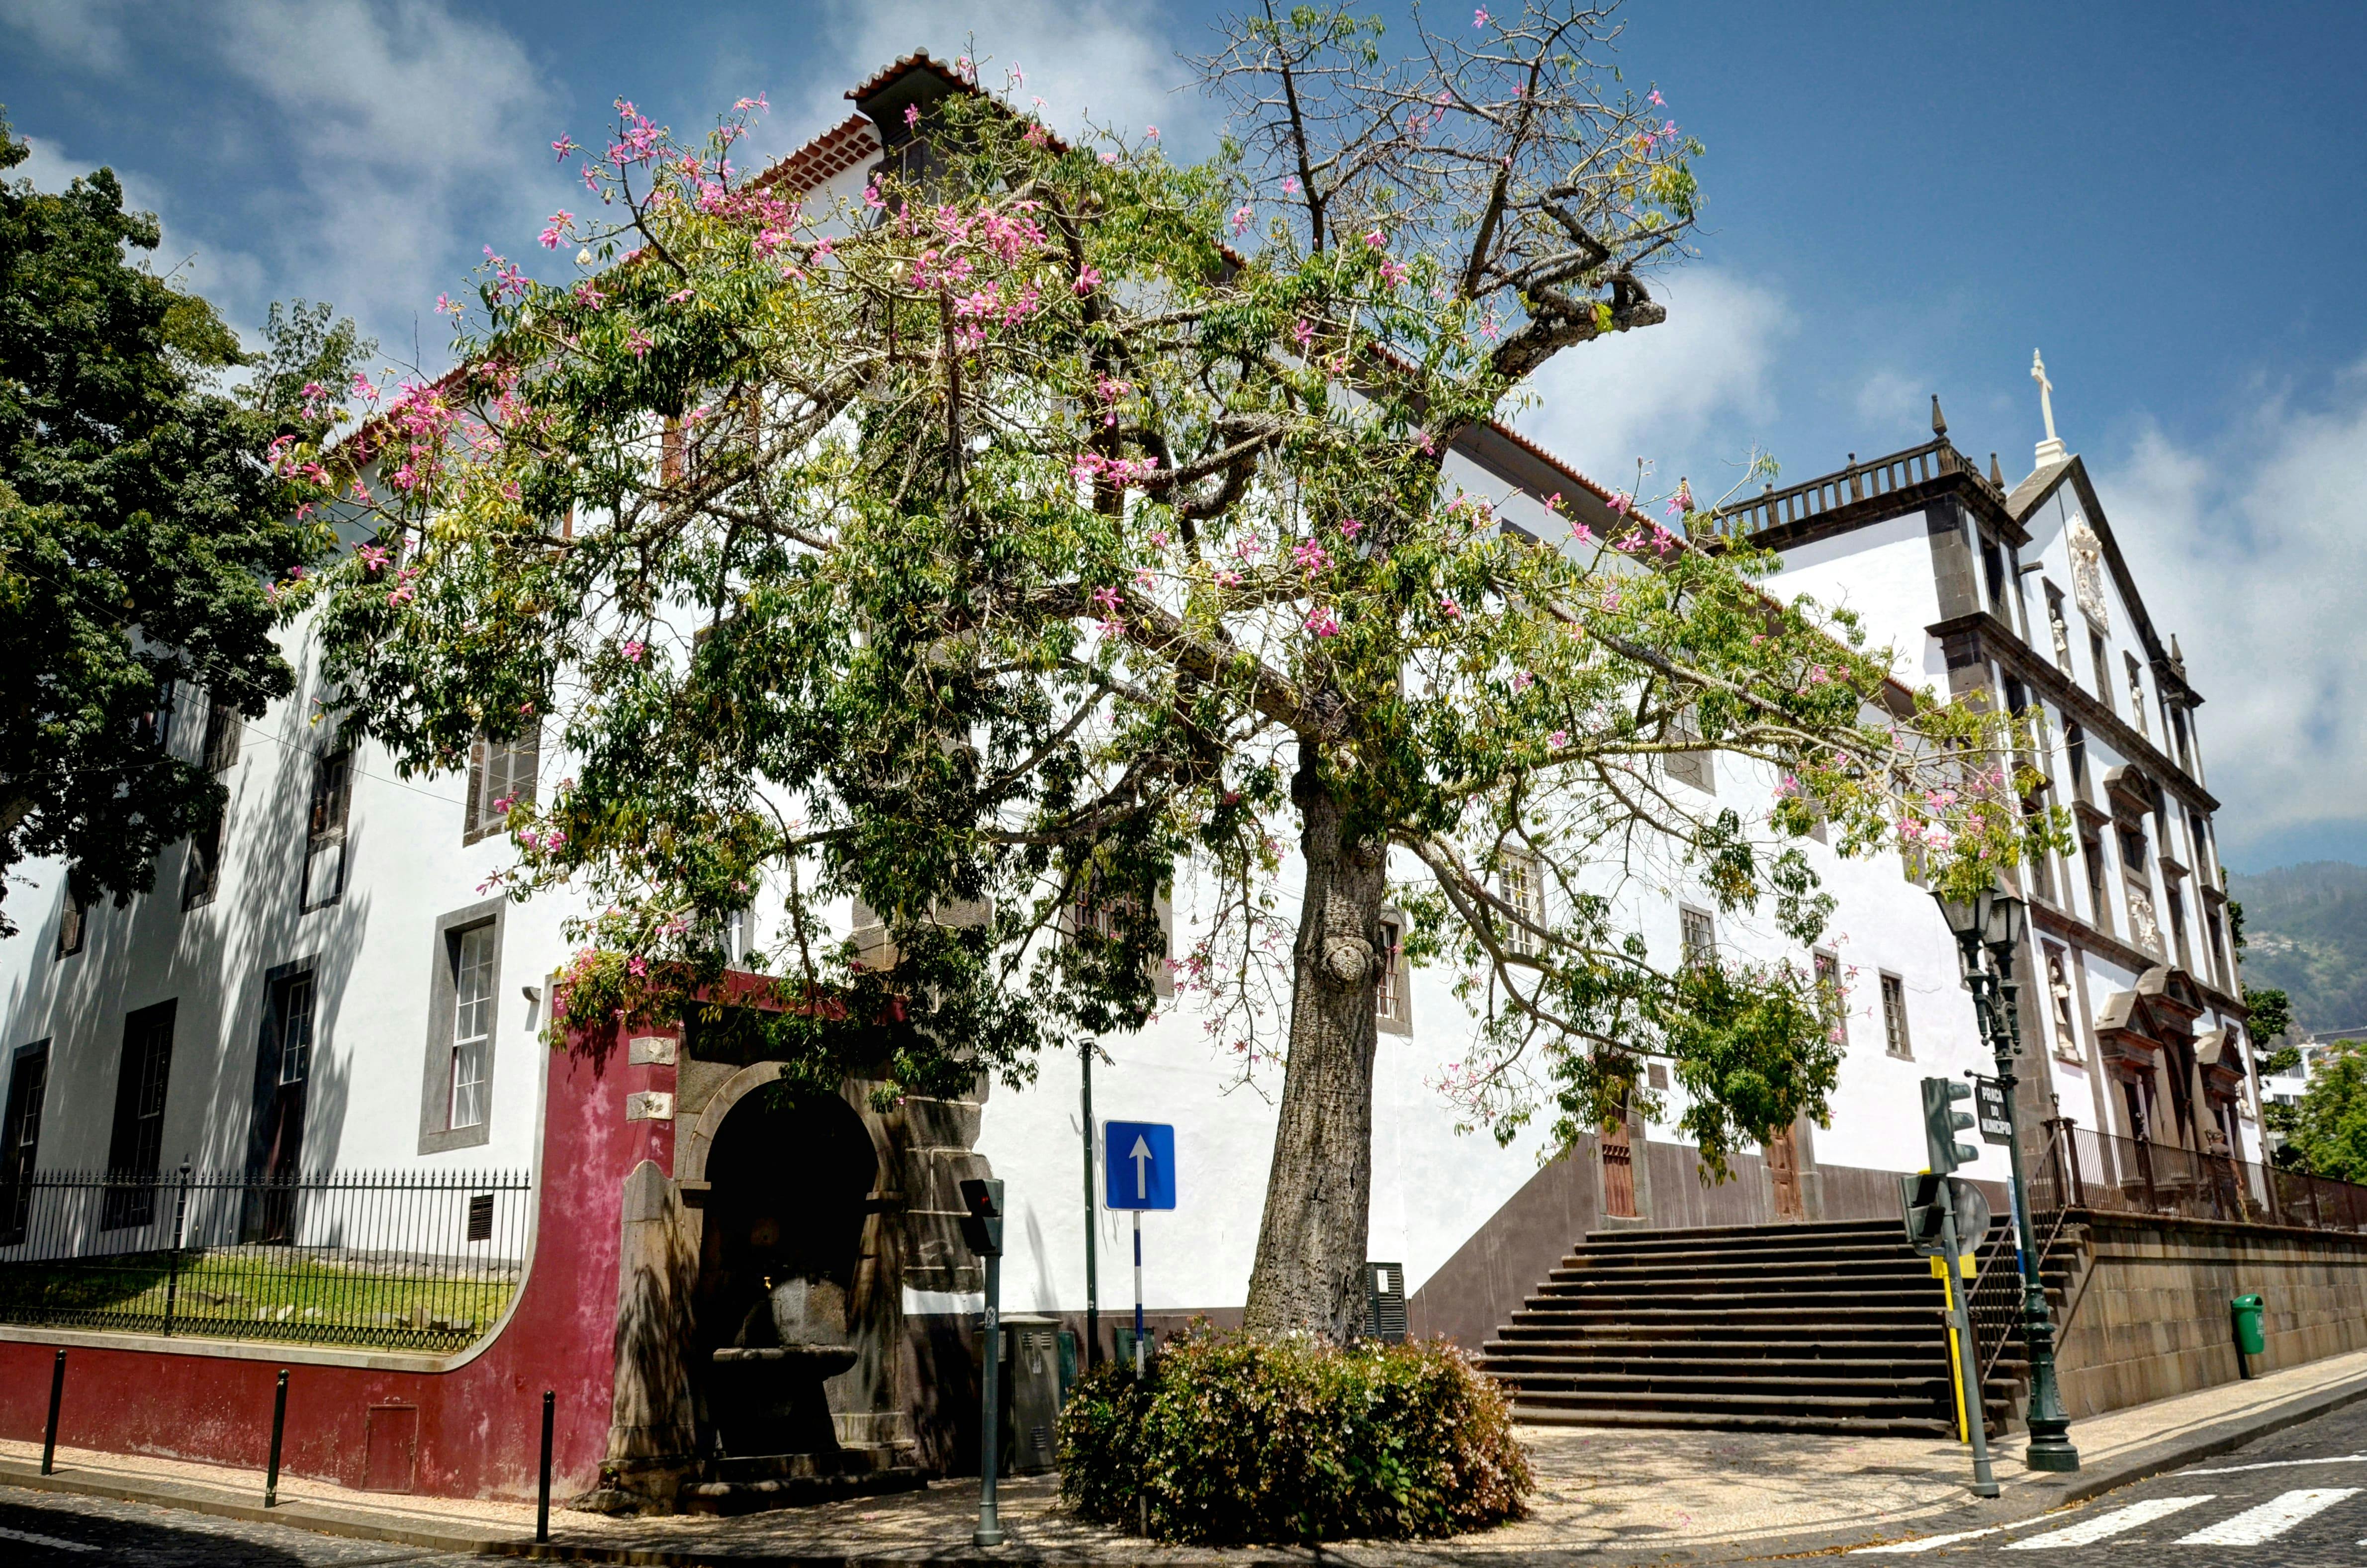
(1031,1394)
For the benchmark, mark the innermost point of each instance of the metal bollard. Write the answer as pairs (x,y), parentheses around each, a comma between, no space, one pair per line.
(57,1397)
(542,1495)
(279,1429)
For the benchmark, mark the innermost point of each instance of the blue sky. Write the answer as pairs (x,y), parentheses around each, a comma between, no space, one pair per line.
(1903,200)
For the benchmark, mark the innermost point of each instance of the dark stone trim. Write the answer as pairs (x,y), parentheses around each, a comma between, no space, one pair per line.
(435,1138)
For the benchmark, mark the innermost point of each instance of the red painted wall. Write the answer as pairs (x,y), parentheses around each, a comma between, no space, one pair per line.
(478,1425)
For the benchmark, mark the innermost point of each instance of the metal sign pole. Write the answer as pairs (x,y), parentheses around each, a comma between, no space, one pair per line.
(1138,1295)
(990,1528)
(1093,1224)
(1967,1364)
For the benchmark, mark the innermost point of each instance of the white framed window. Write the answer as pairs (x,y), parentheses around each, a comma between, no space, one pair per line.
(1832,995)
(1696,936)
(1894,1019)
(324,831)
(501,775)
(1522,885)
(472,1027)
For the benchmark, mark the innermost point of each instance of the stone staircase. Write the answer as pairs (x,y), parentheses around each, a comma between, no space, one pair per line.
(1834,1328)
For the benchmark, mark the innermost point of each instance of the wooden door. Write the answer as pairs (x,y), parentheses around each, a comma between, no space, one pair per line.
(1618,1172)
(1783,1171)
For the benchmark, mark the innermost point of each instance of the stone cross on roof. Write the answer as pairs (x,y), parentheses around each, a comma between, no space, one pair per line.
(2050,450)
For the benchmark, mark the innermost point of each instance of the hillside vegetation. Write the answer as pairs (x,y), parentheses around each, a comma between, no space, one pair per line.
(2306,933)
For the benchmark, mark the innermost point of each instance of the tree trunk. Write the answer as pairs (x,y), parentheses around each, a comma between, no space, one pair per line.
(1310,1275)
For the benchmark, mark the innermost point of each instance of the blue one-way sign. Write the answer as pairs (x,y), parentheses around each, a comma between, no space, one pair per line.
(1139,1165)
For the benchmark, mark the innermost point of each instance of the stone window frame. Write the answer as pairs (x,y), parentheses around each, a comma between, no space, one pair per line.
(435,1133)
(1825,964)
(1897,1040)
(1690,949)
(507,770)
(1393,992)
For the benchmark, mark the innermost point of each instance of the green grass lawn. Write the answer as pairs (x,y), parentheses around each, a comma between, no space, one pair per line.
(263,1292)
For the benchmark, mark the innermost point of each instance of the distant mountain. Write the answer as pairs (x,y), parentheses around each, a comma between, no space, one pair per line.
(2305,934)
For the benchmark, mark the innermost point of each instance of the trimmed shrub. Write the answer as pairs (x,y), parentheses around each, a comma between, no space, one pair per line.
(1232,1440)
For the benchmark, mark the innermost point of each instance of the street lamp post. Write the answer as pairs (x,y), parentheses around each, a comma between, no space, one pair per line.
(1988,930)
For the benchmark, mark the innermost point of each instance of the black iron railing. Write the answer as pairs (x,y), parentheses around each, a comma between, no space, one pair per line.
(1752,515)
(2097,1171)
(412,1260)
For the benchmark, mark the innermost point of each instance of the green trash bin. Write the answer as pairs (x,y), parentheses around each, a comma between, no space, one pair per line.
(2249,1337)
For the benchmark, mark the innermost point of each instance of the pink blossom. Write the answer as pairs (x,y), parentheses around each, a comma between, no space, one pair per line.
(1322,622)
(565,147)
(682,296)
(1241,217)
(1619,503)
(445,307)
(757,103)
(1350,527)
(374,558)
(363,389)
(1394,273)
(1522,680)
(1225,577)
(871,196)
(637,966)
(559,223)
(1656,101)
(1375,240)
(1557,740)
(1107,599)
(1310,555)
(1290,185)
(639,342)
(1088,279)
(633,650)
(1109,157)
(1303,331)
(912,115)
(1151,131)
(1449,609)
(1479,19)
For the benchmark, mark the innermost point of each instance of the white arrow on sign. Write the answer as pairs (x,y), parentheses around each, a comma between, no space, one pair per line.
(1140,1155)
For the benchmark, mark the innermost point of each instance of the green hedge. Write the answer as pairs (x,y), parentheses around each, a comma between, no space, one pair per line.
(1232,1440)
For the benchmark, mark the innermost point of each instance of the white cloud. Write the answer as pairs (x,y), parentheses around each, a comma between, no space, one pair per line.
(214,271)
(1114,64)
(1658,393)
(403,125)
(79,33)
(2249,550)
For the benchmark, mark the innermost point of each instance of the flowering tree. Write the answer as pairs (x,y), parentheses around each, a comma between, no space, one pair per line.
(984,547)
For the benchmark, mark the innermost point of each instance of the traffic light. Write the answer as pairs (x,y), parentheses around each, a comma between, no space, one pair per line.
(1924,1201)
(1942,1121)
(982,1219)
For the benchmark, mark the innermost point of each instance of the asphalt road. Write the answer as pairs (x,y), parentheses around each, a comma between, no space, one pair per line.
(52,1529)
(2293,1500)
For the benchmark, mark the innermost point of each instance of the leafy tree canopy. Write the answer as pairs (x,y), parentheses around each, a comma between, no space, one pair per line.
(2326,1132)
(140,522)
(1052,515)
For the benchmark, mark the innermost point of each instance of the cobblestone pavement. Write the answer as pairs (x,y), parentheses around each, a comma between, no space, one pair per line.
(49,1529)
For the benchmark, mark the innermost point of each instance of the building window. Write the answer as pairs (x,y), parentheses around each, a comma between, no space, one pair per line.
(2218,951)
(1523,892)
(202,874)
(1894,1019)
(1993,564)
(1691,768)
(501,775)
(2061,630)
(223,728)
(2178,730)
(283,1075)
(2091,854)
(2058,992)
(2103,668)
(1092,913)
(20,1139)
(472,1027)
(155,726)
(2075,754)
(73,920)
(2136,694)
(2174,906)
(135,1147)
(464,988)
(1392,1000)
(1696,937)
(1832,996)
(324,831)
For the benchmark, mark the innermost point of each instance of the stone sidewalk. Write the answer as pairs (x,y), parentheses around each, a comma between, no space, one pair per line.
(1603,1494)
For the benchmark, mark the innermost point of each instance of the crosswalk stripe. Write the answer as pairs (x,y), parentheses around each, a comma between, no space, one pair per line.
(50,1541)
(1928,1543)
(2279,1464)
(2087,1532)
(2271,1518)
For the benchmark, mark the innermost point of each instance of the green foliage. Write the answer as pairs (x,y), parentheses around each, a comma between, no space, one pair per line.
(2326,1132)
(1234,1440)
(2283,1059)
(2269,1012)
(2305,930)
(140,522)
